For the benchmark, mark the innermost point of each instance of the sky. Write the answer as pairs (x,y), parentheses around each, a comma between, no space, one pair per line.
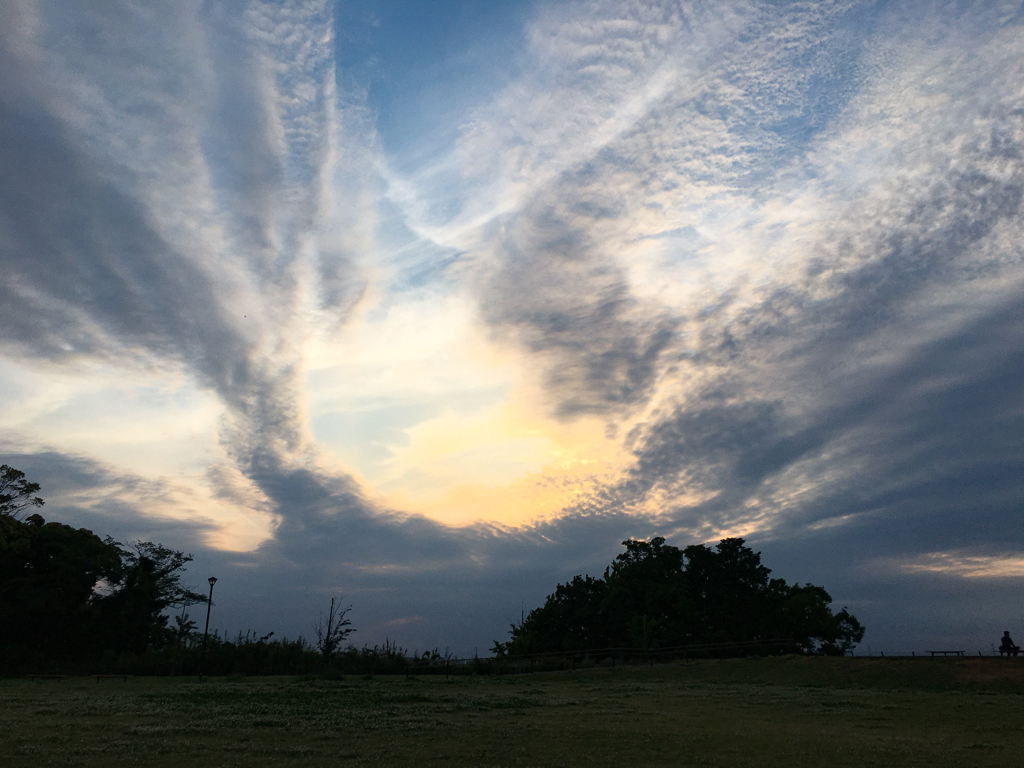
(431,305)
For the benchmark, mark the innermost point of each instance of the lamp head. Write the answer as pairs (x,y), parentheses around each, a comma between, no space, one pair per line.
(212,580)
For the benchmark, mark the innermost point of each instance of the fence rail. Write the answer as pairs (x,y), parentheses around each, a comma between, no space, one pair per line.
(592,657)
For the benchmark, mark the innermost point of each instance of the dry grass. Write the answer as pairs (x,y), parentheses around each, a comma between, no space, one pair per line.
(770,712)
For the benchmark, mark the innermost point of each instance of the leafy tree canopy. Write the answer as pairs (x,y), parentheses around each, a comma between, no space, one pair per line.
(655,595)
(16,493)
(48,574)
(145,585)
(67,596)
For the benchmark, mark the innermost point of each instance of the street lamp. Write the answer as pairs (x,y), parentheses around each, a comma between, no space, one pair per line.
(209,605)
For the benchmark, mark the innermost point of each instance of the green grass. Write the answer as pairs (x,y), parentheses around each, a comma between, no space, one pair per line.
(771,712)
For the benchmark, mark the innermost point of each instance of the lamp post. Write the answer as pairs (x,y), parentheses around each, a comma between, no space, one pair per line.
(209,605)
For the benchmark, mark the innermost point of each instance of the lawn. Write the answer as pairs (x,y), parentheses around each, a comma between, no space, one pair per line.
(788,712)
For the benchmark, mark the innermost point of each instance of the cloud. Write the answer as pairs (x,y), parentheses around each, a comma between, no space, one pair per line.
(969,566)
(637,121)
(820,327)
(83,492)
(572,309)
(130,238)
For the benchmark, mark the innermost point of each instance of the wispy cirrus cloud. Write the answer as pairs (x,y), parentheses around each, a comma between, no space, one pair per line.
(969,566)
(772,314)
(165,198)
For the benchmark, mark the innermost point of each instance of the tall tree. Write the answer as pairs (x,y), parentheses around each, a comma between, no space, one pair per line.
(48,576)
(332,630)
(647,602)
(16,493)
(137,596)
(731,587)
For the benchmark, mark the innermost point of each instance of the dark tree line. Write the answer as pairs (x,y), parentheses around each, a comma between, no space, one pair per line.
(655,595)
(71,600)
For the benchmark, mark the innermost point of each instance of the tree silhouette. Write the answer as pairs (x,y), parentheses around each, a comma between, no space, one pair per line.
(147,583)
(48,572)
(655,595)
(332,630)
(69,598)
(16,492)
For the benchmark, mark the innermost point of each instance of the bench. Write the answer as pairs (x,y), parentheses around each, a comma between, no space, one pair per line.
(1009,652)
(947,653)
(123,678)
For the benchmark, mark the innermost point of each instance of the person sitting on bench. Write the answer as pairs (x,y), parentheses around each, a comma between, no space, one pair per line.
(1007,646)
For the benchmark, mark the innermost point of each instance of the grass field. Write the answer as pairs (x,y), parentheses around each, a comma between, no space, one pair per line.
(767,712)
